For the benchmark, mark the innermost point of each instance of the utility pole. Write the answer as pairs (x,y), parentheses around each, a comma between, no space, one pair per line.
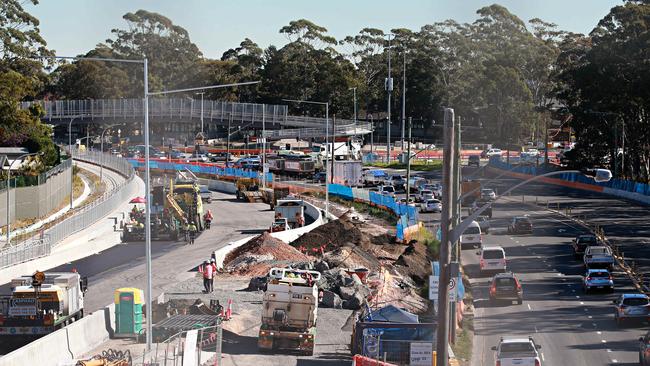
(408,165)
(331,167)
(455,213)
(228,142)
(202,93)
(445,227)
(404,102)
(372,134)
(389,90)
(263,147)
(545,139)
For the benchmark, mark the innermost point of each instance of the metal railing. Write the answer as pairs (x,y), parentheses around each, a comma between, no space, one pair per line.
(205,343)
(347,129)
(81,218)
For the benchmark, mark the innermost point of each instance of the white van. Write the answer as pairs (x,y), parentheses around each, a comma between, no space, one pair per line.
(472,236)
(492,259)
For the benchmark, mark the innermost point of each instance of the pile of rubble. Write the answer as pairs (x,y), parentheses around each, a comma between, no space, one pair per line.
(359,262)
(260,254)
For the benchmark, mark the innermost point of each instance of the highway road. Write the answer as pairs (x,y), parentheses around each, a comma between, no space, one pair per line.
(573,328)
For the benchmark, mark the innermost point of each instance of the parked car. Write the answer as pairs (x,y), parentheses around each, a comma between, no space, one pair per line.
(484,223)
(581,242)
(491,152)
(387,190)
(644,350)
(517,352)
(472,236)
(520,225)
(599,257)
(424,195)
(631,307)
(474,160)
(201,158)
(597,279)
(492,259)
(506,286)
(397,181)
(431,205)
(488,194)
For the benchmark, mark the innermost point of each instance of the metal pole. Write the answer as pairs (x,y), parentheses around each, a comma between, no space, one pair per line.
(202,113)
(372,134)
(408,165)
(404,103)
(327,174)
(445,220)
(455,214)
(546,140)
(389,89)
(71,162)
(228,143)
(331,167)
(147,226)
(8,218)
(354,91)
(263,146)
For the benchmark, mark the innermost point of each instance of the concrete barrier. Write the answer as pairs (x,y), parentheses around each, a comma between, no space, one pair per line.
(67,344)
(312,211)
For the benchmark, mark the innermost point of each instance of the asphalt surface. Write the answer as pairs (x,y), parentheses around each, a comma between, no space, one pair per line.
(573,328)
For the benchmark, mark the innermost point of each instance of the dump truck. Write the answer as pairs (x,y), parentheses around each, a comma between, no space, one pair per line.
(41,303)
(289,311)
(291,209)
(272,195)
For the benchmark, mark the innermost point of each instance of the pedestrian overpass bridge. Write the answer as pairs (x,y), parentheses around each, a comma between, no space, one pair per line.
(184,115)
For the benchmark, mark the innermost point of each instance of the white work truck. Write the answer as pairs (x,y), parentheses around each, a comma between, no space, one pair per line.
(517,352)
(289,311)
(290,209)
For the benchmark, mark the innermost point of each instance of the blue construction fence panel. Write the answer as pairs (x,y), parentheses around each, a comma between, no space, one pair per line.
(620,184)
(202,169)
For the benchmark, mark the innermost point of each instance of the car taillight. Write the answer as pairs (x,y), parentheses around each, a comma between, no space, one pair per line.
(588,278)
(537,363)
(518,285)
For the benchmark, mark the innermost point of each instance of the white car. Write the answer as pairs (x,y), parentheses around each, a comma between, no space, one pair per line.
(492,259)
(494,152)
(387,190)
(488,194)
(517,352)
(431,205)
(472,235)
(424,194)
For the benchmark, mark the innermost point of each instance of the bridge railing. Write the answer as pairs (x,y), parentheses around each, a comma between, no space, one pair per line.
(82,218)
(340,130)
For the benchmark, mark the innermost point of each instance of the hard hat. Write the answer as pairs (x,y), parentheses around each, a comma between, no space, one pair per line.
(212,260)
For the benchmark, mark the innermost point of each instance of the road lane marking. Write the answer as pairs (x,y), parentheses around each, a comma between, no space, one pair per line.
(614,360)
(536,329)
(609,350)
(529,308)
(603,341)
(542,354)
(582,303)
(599,332)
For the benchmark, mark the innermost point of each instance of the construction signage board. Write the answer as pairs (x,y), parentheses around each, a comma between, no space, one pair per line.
(434,282)
(421,354)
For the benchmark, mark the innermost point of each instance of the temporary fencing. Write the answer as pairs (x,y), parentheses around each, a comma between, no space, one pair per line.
(408,214)
(201,346)
(201,168)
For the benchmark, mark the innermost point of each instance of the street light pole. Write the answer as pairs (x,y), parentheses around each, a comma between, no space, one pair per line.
(445,227)
(9,191)
(147,213)
(202,93)
(71,161)
(389,89)
(455,207)
(408,165)
(404,101)
(101,156)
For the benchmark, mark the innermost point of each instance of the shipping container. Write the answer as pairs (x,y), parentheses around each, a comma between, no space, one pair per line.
(348,172)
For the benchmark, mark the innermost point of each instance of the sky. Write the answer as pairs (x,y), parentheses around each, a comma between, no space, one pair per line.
(73,27)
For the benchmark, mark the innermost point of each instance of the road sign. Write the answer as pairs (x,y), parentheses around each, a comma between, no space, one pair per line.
(434,282)
(453,291)
(421,354)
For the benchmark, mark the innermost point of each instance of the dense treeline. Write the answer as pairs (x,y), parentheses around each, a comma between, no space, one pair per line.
(505,76)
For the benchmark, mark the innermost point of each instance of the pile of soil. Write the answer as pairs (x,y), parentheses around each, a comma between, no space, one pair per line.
(266,245)
(414,263)
(331,236)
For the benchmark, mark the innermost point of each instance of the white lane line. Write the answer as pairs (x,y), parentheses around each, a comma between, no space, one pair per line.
(529,308)
(603,341)
(599,332)
(536,329)
(609,350)
(577,296)
(582,303)
(591,317)
(614,360)
(542,354)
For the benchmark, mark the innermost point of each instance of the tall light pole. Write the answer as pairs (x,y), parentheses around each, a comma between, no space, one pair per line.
(8,190)
(389,90)
(327,174)
(404,101)
(372,135)
(354,98)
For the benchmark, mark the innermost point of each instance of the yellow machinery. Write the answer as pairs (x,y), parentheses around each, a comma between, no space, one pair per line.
(187,195)
(248,189)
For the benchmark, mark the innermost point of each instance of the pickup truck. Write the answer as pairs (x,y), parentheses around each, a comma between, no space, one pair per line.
(517,352)
(581,243)
(598,257)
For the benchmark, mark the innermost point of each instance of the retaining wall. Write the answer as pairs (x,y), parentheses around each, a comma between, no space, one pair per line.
(67,344)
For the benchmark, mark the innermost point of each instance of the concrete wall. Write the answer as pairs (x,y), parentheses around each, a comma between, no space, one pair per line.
(36,201)
(67,344)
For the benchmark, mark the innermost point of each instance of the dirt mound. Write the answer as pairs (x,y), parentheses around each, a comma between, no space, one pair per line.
(331,236)
(266,247)
(414,263)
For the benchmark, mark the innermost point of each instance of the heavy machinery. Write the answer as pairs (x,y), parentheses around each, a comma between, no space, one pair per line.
(166,218)
(248,189)
(291,209)
(42,303)
(272,195)
(289,311)
(187,194)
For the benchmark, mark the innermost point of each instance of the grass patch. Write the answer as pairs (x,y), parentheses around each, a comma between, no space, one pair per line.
(367,209)
(463,346)
(427,238)
(418,166)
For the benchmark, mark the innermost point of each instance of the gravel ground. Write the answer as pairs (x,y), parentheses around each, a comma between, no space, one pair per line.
(334,327)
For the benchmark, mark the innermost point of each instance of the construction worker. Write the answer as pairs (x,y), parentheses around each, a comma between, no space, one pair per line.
(300,220)
(192,231)
(208,273)
(208,219)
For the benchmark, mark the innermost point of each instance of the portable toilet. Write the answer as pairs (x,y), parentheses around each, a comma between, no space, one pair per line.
(128,311)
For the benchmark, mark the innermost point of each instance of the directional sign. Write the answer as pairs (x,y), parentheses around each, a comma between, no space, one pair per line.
(434,282)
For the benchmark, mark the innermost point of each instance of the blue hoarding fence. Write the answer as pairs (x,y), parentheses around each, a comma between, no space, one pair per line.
(201,169)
